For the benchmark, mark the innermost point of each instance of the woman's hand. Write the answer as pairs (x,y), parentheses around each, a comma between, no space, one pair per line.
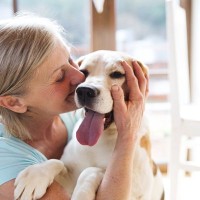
(128,115)
(118,179)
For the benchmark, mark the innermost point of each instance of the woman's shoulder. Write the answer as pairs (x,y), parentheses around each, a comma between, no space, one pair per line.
(15,155)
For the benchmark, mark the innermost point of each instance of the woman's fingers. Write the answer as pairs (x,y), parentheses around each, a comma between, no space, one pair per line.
(136,80)
(128,114)
(140,77)
(118,98)
(121,111)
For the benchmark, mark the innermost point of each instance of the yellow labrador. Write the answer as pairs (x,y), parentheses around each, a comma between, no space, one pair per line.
(86,156)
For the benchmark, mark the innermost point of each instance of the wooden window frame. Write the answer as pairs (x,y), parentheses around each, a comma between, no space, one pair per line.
(103,27)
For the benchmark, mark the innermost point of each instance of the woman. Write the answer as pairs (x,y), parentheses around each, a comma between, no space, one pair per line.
(37,82)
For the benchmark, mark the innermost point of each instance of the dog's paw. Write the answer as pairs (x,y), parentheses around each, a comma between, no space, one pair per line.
(33,182)
(88,183)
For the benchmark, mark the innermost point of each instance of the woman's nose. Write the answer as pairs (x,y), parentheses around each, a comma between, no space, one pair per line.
(76,76)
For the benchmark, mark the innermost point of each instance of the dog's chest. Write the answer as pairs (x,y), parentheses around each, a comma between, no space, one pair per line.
(100,154)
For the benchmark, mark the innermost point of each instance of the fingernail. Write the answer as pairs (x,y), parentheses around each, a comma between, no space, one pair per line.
(134,62)
(122,62)
(115,87)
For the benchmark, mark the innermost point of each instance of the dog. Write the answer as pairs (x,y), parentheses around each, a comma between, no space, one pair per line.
(86,156)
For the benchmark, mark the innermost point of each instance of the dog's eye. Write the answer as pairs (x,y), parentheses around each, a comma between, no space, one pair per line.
(116,75)
(85,72)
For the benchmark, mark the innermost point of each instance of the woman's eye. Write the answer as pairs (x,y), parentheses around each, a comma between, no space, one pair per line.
(116,75)
(61,77)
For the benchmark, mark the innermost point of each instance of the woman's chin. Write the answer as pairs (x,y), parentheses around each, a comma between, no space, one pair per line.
(70,99)
(70,106)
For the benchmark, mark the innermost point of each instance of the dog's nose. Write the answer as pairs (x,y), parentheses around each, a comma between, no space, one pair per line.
(86,93)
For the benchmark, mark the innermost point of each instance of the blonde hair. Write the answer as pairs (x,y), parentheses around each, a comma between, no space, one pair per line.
(25,41)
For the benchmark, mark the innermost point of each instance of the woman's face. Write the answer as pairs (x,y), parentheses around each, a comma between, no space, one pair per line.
(51,91)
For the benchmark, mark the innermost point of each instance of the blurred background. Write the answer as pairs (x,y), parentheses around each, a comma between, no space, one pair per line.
(137,27)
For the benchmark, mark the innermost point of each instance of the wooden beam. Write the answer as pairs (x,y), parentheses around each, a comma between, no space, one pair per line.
(103,27)
(15,6)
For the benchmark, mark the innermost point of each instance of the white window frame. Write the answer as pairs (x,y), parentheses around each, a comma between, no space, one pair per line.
(195,49)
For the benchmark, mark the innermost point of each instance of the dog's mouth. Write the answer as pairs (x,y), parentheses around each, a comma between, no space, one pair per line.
(93,126)
(109,119)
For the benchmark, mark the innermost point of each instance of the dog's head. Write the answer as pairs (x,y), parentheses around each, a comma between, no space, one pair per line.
(102,69)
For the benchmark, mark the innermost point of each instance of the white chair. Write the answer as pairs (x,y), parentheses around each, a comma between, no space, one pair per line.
(184,114)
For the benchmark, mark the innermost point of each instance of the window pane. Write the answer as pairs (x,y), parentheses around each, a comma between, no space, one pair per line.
(73,15)
(6,9)
(141,32)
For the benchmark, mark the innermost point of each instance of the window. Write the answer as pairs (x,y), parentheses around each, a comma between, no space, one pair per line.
(195,70)
(6,9)
(73,15)
(141,32)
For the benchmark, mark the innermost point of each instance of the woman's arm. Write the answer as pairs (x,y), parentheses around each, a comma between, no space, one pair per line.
(55,191)
(117,181)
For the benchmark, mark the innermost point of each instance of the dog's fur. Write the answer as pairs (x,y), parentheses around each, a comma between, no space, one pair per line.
(87,163)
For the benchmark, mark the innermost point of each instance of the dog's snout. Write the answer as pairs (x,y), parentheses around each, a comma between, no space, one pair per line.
(86,93)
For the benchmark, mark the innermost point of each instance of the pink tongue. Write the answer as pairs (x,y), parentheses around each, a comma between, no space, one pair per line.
(90,129)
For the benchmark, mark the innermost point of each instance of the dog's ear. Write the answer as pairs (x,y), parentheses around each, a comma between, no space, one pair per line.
(144,68)
(146,73)
(80,60)
(130,59)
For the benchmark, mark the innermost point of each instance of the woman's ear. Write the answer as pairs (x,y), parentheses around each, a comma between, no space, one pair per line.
(13,103)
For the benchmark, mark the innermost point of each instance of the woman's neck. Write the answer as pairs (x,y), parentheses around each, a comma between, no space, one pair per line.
(48,136)
(41,129)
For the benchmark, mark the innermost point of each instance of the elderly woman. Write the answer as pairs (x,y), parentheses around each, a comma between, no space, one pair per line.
(37,82)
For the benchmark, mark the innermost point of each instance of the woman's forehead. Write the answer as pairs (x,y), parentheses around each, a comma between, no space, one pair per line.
(53,63)
(58,57)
